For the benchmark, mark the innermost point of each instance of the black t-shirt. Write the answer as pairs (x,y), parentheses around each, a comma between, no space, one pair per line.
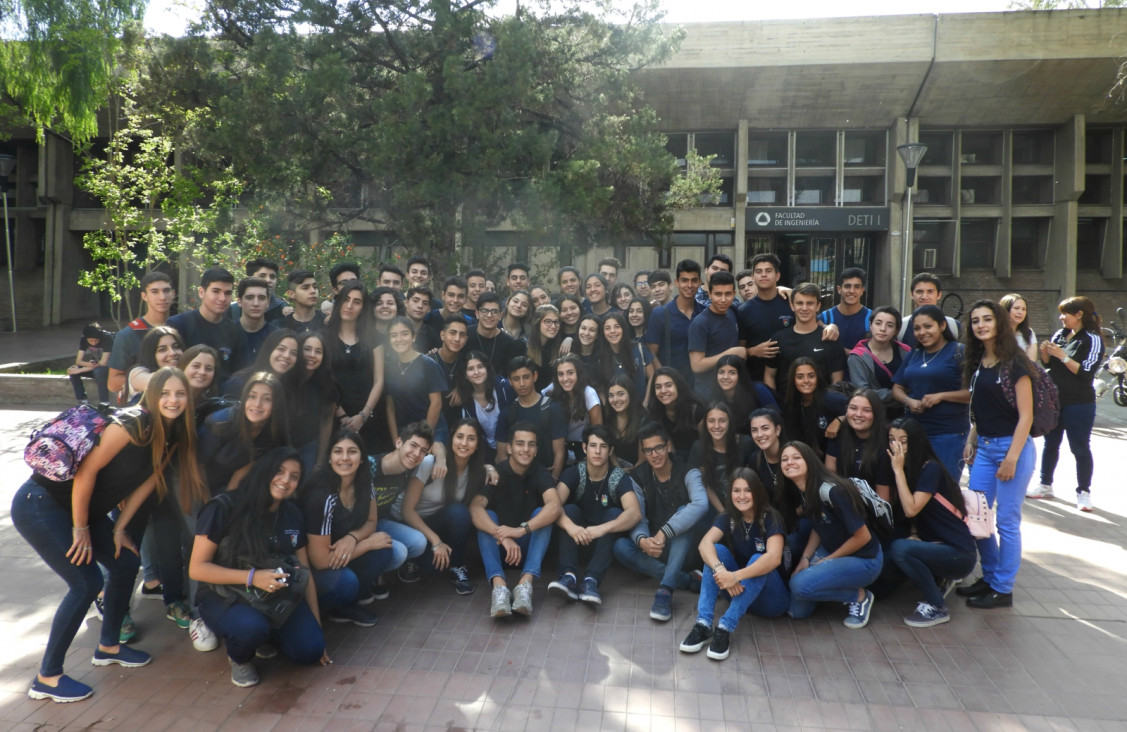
(725,464)
(515,497)
(299,327)
(839,521)
(548,417)
(828,355)
(1087,349)
(881,475)
(746,540)
(286,533)
(759,320)
(226,337)
(410,386)
(326,515)
(936,522)
(121,476)
(220,450)
(388,489)
(499,350)
(994,415)
(597,495)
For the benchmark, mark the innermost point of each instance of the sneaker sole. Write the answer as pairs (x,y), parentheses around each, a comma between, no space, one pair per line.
(465,590)
(178,625)
(718,656)
(591,599)
(500,613)
(205,648)
(119,662)
(926,623)
(39,695)
(522,610)
(358,623)
(244,684)
(559,589)
(366,600)
(697,648)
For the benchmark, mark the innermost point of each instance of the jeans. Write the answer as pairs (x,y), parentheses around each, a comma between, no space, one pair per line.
(338,588)
(1076,421)
(1001,553)
(168,543)
(949,449)
(244,629)
(532,547)
(766,595)
(831,580)
(922,561)
(406,543)
(100,375)
(667,568)
(602,549)
(46,525)
(453,525)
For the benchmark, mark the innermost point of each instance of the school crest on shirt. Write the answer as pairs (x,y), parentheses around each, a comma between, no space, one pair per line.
(294,535)
(760,546)
(224,354)
(785,321)
(823,423)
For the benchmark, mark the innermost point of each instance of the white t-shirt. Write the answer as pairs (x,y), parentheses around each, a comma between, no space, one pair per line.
(488,419)
(575,428)
(432,499)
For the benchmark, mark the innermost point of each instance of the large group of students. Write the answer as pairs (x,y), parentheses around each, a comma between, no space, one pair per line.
(283,459)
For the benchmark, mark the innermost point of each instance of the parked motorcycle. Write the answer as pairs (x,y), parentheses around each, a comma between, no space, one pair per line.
(1116,363)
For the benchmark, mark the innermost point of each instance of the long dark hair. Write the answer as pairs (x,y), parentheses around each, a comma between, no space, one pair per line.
(803,424)
(361,484)
(933,313)
(779,496)
(709,468)
(1084,307)
(634,414)
(760,500)
(817,474)
(249,524)
(322,379)
(365,333)
(1006,349)
(276,427)
(147,354)
(465,389)
(605,355)
(686,408)
(872,450)
(920,453)
(194,352)
(639,332)
(475,476)
(1008,302)
(291,380)
(543,352)
(574,403)
(744,401)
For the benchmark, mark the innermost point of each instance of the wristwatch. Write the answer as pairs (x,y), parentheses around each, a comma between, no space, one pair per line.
(527,529)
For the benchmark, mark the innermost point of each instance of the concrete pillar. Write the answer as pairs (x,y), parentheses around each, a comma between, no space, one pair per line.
(1112,264)
(1060,257)
(739,196)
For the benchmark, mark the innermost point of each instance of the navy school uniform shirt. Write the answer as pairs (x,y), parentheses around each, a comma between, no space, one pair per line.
(829,356)
(839,521)
(257,338)
(853,328)
(410,386)
(515,497)
(226,337)
(326,515)
(994,414)
(550,421)
(597,495)
(927,373)
(500,349)
(710,334)
(670,317)
(936,522)
(745,540)
(759,320)
(882,475)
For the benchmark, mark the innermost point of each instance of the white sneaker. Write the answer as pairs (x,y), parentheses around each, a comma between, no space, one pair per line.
(1039,491)
(203,639)
(1084,501)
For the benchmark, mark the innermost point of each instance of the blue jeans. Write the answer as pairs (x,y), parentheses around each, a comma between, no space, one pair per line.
(244,629)
(602,549)
(453,525)
(831,580)
(100,375)
(406,543)
(338,588)
(667,568)
(766,596)
(532,547)
(1076,421)
(168,545)
(46,525)
(949,449)
(1001,553)
(922,561)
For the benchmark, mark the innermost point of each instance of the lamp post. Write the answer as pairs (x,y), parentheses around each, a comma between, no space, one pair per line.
(911,153)
(7,163)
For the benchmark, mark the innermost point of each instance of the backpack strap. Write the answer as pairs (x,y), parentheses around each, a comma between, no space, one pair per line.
(581,466)
(949,506)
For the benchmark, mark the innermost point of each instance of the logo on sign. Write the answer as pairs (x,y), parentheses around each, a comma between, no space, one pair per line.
(762,218)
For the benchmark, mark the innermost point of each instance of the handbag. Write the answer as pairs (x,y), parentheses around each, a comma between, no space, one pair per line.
(979,517)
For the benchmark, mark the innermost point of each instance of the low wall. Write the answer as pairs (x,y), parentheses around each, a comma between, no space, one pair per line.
(39,390)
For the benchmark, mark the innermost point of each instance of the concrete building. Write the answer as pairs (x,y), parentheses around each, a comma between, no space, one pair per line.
(1022,188)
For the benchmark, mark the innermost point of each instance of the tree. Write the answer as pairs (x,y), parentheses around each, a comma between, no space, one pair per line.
(60,58)
(442,119)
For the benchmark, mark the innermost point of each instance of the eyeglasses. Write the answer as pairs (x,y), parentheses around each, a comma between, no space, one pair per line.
(488,312)
(551,323)
(655,450)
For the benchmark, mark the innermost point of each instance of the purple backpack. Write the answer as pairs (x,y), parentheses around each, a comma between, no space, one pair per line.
(57,448)
(1046,398)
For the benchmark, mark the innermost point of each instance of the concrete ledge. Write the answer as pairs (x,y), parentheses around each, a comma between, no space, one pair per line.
(37,389)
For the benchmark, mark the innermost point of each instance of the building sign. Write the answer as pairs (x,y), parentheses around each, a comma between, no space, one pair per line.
(820,218)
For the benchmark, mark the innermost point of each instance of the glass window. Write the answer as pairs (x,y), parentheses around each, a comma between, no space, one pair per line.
(977,240)
(1028,238)
(815,149)
(1097,146)
(766,149)
(979,191)
(814,190)
(720,144)
(864,190)
(1090,243)
(1097,190)
(1032,189)
(677,144)
(767,191)
(865,148)
(939,146)
(982,148)
(933,245)
(933,190)
(1033,147)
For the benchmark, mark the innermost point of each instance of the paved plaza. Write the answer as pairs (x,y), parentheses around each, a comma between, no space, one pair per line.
(436,661)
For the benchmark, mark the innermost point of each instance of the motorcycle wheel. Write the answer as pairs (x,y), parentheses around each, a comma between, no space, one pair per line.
(1119,394)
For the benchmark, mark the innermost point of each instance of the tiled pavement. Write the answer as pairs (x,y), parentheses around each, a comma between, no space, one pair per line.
(436,661)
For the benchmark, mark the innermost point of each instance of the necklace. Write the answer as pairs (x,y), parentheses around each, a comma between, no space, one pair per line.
(927,360)
(747,529)
(404,369)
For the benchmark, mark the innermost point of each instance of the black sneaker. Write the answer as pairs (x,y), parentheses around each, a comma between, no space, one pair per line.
(152,593)
(461,579)
(379,589)
(979,587)
(696,639)
(718,649)
(991,599)
(409,573)
(353,614)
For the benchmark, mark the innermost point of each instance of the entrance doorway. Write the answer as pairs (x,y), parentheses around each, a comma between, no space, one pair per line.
(815,257)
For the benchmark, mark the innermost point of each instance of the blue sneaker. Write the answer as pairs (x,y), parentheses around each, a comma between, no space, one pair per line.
(126,656)
(565,585)
(859,612)
(662,609)
(67,690)
(590,591)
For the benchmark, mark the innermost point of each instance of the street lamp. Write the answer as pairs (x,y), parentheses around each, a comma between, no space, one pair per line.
(911,153)
(7,164)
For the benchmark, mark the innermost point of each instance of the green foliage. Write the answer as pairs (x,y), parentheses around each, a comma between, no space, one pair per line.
(431,117)
(60,59)
(1065,4)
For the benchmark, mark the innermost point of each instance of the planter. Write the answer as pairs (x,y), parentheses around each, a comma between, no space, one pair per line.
(38,390)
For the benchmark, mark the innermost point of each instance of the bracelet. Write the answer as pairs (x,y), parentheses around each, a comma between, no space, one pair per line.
(250,579)
(365,414)
(81,528)
(1066,360)
(119,532)
(353,537)
(718,565)
(435,547)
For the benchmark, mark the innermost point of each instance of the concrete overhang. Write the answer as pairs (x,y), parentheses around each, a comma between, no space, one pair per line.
(988,69)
